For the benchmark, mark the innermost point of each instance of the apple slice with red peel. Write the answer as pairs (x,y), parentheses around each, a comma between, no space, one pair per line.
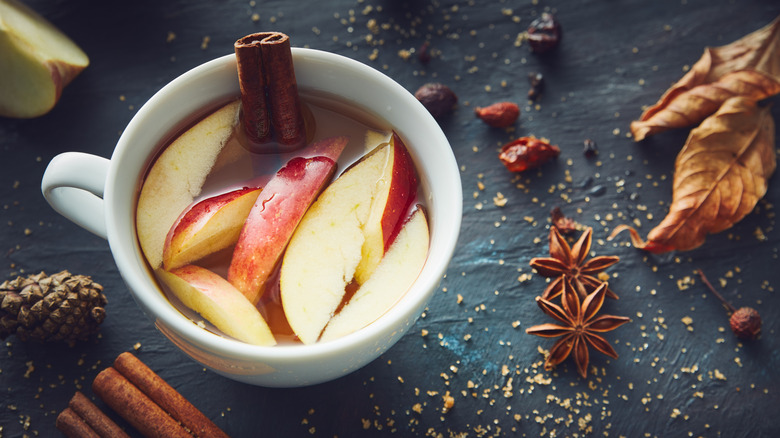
(208,226)
(394,275)
(37,61)
(395,192)
(218,302)
(323,255)
(177,176)
(276,214)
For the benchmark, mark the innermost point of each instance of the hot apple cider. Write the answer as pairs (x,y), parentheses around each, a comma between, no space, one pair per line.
(281,244)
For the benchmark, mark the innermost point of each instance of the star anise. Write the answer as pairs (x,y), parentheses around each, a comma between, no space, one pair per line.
(580,326)
(570,261)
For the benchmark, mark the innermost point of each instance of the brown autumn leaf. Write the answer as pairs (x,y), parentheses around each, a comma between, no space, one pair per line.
(720,174)
(748,67)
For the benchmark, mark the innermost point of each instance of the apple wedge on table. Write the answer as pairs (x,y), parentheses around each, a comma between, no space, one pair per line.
(208,226)
(276,214)
(344,235)
(219,303)
(37,61)
(394,275)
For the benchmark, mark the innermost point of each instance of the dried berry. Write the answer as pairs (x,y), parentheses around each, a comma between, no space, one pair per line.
(544,33)
(527,153)
(424,53)
(746,323)
(437,98)
(499,114)
(536,80)
(590,149)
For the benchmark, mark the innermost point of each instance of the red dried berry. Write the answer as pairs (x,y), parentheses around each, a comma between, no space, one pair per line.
(499,114)
(527,153)
(746,323)
(424,53)
(544,33)
(437,98)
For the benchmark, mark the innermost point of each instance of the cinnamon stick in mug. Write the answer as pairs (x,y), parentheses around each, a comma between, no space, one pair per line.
(272,112)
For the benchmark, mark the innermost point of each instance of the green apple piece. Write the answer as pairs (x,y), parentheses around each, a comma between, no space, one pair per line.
(36,61)
(219,303)
(176,178)
(208,226)
(327,247)
(276,213)
(393,276)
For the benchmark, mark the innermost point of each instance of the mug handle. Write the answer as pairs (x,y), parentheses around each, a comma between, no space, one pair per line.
(73,185)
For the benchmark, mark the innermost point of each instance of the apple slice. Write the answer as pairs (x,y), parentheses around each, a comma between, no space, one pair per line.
(176,178)
(36,60)
(208,226)
(395,191)
(394,275)
(324,253)
(219,303)
(276,213)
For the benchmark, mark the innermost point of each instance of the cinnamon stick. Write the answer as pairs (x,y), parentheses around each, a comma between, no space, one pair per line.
(272,113)
(135,407)
(165,396)
(73,426)
(99,422)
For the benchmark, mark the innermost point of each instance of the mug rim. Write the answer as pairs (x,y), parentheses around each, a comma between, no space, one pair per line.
(145,291)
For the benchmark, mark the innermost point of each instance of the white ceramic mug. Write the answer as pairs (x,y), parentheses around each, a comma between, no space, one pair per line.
(100,195)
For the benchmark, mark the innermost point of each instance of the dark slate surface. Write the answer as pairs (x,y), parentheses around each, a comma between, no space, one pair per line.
(672,378)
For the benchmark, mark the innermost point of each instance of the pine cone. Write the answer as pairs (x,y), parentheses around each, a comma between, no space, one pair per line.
(61,307)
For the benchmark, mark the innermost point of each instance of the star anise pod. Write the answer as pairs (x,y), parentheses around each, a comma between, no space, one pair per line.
(580,326)
(570,261)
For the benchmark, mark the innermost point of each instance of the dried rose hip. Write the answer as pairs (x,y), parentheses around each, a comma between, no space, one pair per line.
(544,33)
(424,53)
(499,114)
(437,98)
(527,153)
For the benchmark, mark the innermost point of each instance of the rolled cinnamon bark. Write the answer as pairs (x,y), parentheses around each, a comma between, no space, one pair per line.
(271,107)
(165,396)
(73,426)
(94,417)
(135,407)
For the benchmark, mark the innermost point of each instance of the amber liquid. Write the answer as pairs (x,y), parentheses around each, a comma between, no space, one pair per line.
(236,168)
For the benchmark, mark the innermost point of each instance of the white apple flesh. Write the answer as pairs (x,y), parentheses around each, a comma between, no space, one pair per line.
(208,226)
(276,214)
(394,275)
(395,191)
(36,61)
(176,178)
(325,251)
(219,303)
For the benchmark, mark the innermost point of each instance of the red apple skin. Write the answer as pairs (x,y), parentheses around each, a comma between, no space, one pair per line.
(275,215)
(195,218)
(403,192)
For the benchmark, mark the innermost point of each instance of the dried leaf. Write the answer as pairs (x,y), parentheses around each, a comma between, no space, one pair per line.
(720,174)
(748,67)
